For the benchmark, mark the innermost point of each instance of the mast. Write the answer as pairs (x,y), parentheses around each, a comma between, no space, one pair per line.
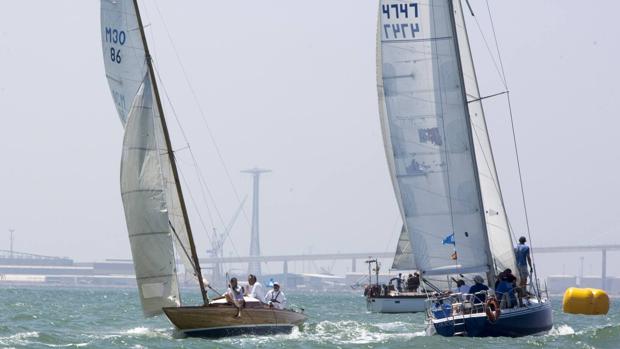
(490,261)
(170,152)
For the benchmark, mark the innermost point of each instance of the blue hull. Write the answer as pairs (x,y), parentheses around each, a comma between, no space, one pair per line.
(239,331)
(513,323)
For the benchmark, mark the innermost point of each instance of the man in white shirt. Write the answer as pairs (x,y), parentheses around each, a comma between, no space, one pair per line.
(255,288)
(275,298)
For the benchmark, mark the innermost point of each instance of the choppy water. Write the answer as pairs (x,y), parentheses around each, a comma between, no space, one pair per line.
(111,318)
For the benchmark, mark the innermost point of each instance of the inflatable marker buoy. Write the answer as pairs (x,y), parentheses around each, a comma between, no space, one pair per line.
(585,301)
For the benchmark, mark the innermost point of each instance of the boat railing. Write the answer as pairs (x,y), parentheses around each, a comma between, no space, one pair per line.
(449,305)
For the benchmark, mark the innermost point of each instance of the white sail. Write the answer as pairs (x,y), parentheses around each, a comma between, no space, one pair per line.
(403,258)
(426,130)
(123,53)
(134,96)
(144,199)
(500,240)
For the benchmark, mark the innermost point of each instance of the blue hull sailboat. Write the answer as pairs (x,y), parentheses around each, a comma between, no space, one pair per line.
(534,319)
(443,171)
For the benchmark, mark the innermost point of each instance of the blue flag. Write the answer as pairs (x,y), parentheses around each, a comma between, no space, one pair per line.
(449,240)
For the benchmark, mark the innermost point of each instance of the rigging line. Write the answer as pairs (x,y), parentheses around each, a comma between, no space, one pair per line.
(203,194)
(203,183)
(470,9)
(514,138)
(485,97)
(495,181)
(183,247)
(201,179)
(499,55)
(202,114)
(191,196)
(203,187)
(394,228)
(486,43)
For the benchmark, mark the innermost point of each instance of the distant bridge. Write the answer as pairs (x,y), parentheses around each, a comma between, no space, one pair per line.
(592,248)
(357,256)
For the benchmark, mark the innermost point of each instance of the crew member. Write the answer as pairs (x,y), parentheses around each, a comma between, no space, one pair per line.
(522,252)
(234,296)
(256,289)
(275,298)
(413,282)
(477,288)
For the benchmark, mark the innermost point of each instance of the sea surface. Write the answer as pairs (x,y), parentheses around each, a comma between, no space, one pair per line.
(111,318)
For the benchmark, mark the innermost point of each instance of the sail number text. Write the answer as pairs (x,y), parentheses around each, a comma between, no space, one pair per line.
(118,37)
(397,15)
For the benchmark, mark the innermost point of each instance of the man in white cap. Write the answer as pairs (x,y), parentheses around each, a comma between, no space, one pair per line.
(275,298)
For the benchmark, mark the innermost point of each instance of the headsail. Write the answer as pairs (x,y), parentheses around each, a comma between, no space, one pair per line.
(426,132)
(403,258)
(153,204)
(144,199)
(502,246)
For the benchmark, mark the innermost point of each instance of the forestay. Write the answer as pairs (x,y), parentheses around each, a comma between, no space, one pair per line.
(498,230)
(152,202)
(427,138)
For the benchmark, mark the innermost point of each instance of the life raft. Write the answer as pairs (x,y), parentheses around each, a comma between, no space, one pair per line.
(492,309)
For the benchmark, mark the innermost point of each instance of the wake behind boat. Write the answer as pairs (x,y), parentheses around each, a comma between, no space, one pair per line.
(443,171)
(157,220)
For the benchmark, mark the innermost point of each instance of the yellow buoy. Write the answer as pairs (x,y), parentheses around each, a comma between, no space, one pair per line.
(586,301)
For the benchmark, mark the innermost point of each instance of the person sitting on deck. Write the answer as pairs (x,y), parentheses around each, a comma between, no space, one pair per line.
(275,297)
(255,288)
(478,288)
(234,296)
(505,288)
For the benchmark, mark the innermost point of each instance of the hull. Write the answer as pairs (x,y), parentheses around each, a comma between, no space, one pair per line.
(396,304)
(532,320)
(220,321)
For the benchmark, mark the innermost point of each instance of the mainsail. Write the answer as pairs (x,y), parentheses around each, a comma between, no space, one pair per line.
(150,192)
(427,135)
(498,230)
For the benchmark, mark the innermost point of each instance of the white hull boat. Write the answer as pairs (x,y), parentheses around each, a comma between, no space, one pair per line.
(393,304)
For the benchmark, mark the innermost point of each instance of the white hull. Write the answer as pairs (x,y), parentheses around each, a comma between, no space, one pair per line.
(396,304)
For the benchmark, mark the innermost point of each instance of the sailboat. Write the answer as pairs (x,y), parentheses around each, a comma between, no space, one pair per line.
(157,220)
(389,300)
(442,167)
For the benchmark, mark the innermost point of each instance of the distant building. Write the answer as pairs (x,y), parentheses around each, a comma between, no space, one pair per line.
(557,284)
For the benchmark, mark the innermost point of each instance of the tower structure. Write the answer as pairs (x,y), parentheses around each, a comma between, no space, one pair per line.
(254,267)
(11,231)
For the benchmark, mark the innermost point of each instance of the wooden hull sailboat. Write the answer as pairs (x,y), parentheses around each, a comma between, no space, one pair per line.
(215,321)
(157,220)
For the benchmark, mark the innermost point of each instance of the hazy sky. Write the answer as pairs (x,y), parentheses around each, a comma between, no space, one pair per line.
(290,86)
